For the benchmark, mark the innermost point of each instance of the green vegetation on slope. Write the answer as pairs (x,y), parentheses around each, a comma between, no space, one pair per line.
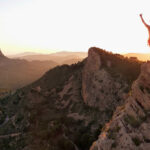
(120,65)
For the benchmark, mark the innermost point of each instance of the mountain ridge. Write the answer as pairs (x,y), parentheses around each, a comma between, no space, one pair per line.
(59,57)
(17,73)
(128,128)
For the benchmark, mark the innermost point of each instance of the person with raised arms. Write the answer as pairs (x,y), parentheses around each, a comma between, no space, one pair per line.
(147,26)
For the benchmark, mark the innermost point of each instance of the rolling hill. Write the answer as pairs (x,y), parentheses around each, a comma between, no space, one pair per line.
(16,73)
(59,57)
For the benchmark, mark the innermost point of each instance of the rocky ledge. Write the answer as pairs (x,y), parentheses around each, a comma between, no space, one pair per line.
(129,128)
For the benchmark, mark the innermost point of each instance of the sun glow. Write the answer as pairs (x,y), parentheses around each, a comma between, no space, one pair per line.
(45,25)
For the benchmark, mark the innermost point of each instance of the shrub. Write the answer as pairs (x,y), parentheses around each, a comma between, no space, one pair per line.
(111,134)
(65,144)
(132,121)
(136,141)
(146,140)
(19,118)
(66,96)
(148,90)
(142,88)
(114,144)
(128,68)
(117,128)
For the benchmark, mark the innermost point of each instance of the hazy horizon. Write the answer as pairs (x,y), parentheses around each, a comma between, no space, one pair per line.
(42,53)
(44,26)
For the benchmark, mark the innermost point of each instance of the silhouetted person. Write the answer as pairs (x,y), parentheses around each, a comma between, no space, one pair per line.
(147,26)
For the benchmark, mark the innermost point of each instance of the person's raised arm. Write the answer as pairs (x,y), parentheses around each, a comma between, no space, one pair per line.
(143,21)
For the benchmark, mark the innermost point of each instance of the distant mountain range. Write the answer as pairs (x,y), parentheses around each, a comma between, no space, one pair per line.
(22,54)
(59,57)
(63,57)
(21,69)
(15,73)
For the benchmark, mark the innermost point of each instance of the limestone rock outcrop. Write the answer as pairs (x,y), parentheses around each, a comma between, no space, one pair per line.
(130,124)
(99,88)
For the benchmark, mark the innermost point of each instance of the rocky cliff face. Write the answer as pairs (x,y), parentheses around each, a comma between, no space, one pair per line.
(99,88)
(130,124)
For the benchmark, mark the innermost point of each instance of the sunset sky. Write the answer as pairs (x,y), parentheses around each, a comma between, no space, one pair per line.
(73,25)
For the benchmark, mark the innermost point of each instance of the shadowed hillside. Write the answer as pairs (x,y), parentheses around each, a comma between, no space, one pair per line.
(15,73)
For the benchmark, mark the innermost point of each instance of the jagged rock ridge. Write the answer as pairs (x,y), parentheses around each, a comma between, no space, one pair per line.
(130,124)
(106,78)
